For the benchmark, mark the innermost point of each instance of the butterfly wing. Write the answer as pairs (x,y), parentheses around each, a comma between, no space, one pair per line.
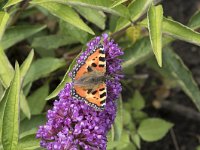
(94,97)
(95,61)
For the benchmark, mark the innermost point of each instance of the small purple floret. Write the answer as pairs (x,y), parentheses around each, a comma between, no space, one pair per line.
(72,124)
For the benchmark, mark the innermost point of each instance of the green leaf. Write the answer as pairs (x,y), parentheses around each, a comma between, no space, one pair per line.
(155,16)
(1,92)
(168,80)
(1,146)
(124,141)
(96,17)
(102,5)
(118,2)
(6,71)
(32,124)
(26,89)
(118,124)
(66,13)
(139,52)
(136,140)
(138,115)
(126,117)
(175,66)
(112,23)
(42,68)
(138,101)
(37,100)
(2,3)
(24,105)
(4,16)
(18,33)
(136,9)
(134,55)
(198,147)
(110,137)
(129,146)
(10,127)
(29,142)
(121,143)
(111,145)
(180,31)
(75,33)
(2,108)
(58,40)
(26,64)
(11,2)
(153,129)
(194,22)
(63,82)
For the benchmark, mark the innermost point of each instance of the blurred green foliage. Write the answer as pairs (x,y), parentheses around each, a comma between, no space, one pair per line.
(57,30)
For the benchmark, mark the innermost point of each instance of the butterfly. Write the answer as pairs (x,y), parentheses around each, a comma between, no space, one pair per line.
(88,79)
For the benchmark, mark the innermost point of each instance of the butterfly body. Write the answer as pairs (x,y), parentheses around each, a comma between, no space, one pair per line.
(89,79)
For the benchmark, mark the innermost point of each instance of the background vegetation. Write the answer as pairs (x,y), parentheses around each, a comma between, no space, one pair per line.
(40,38)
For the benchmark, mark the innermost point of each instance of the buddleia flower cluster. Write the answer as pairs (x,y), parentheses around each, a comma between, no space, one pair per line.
(74,125)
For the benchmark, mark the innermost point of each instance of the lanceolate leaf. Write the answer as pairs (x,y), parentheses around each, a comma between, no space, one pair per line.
(118,124)
(102,5)
(194,22)
(10,129)
(62,83)
(119,144)
(2,92)
(3,21)
(37,99)
(118,2)
(32,124)
(23,70)
(26,64)
(96,17)
(175,66)
(155,16)
(58,40)
(6,71)
(18,33)
(11,2)
(180,31)
(24,105)
(73,32)
(137,8)
(137,140)
(124,141)
(28,142)
(139,52)
(2,107)
(67,14)
(42,68)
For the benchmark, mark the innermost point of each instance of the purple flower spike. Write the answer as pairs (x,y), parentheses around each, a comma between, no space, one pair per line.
(74,125)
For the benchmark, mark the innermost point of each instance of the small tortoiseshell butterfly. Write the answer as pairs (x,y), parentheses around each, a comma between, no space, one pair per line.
(89,79)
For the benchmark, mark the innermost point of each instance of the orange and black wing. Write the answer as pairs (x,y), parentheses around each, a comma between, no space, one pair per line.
(94,61)
(95,98)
